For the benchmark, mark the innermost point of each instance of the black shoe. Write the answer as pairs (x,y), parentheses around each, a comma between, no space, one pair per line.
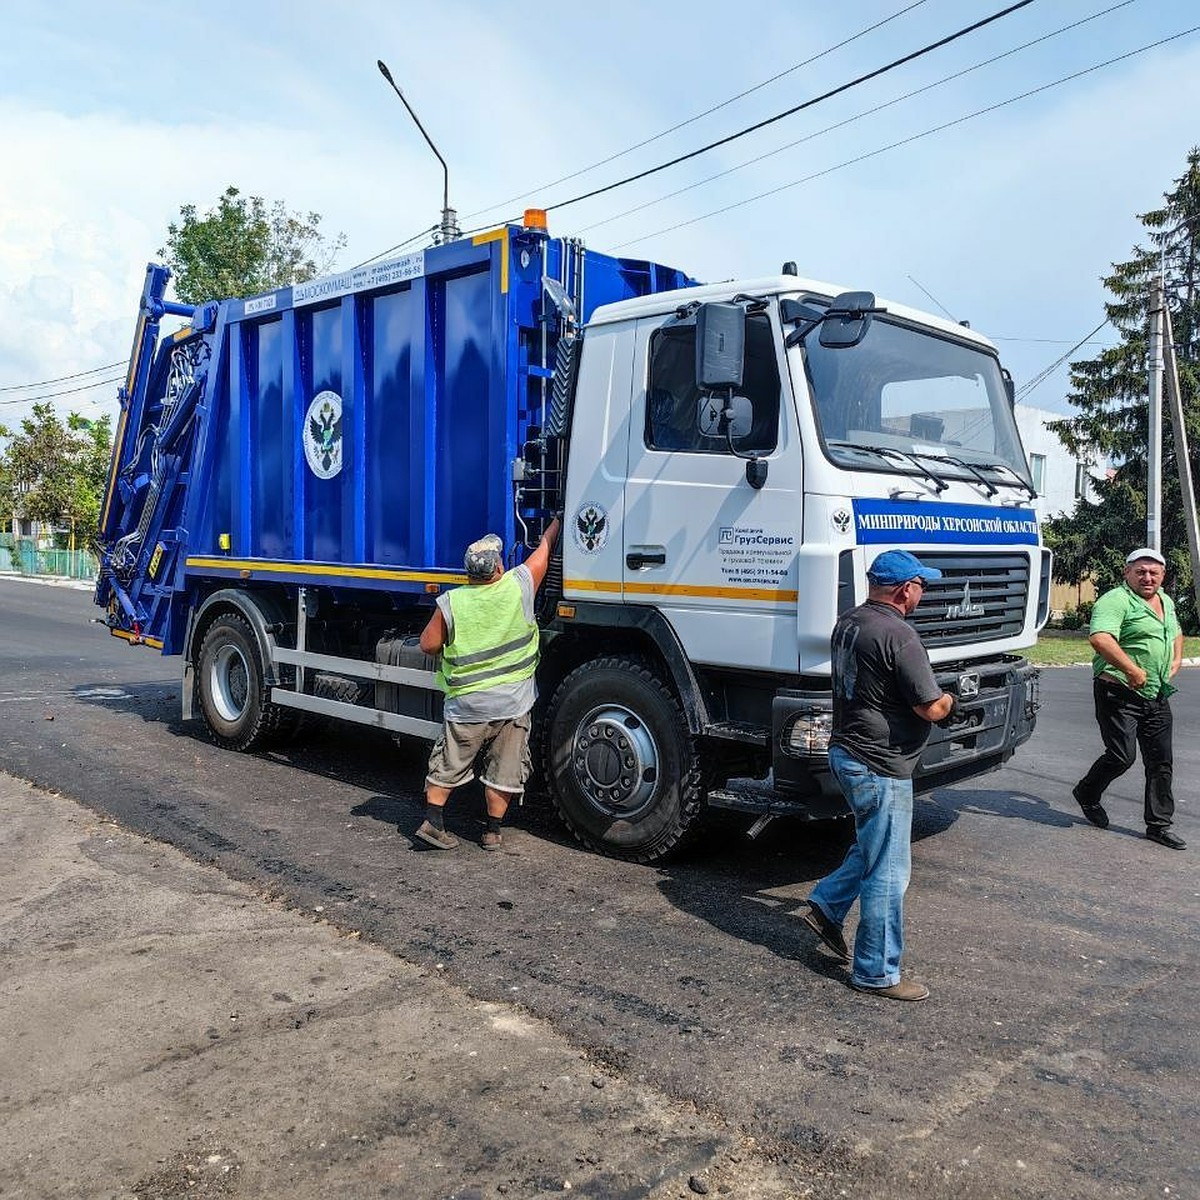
(826,930)
(1164,837)
(1094,812)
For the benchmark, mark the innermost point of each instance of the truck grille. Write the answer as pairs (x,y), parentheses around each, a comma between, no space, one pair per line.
(980,597)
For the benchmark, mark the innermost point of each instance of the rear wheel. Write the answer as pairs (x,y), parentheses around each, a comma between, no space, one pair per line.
(232,690)
(621,763)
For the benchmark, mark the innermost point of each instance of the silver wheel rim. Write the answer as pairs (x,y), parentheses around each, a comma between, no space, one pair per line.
(615,761)
(229,682)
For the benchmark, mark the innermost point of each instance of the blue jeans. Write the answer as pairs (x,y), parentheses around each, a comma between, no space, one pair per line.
(875,871)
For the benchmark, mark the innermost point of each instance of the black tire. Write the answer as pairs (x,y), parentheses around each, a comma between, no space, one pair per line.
(232,692)
(621,765)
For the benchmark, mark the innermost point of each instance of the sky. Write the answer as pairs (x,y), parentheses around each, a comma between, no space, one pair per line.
(113,117)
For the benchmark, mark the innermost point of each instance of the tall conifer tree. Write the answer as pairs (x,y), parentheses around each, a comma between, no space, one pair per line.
(1109,394)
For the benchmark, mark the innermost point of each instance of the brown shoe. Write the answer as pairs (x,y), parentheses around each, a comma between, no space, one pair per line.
(906,989)
(826,930)
(490,840)
(439,839)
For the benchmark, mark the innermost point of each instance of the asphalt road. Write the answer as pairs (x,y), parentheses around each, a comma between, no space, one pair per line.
(1057,1055)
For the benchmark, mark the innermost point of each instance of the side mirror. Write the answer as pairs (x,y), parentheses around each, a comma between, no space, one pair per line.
(720,346)
(848,320)
(1010,388)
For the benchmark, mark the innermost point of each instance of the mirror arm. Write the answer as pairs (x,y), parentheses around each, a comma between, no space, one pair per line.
(799,334)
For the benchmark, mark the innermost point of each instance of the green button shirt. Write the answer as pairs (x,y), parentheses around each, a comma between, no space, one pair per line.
(1147,640)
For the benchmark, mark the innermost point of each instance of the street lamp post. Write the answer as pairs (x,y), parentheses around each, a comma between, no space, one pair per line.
(448,230)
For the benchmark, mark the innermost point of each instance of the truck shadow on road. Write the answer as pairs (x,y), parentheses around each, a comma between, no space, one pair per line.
(757,892)
(998,803)
(368,759)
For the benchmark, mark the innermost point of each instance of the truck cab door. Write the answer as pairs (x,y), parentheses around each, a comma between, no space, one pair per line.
(717,556)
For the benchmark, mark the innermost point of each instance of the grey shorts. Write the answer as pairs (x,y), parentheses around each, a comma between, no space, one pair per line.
(505,748)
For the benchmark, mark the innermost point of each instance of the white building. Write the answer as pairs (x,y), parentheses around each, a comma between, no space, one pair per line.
(1060,478)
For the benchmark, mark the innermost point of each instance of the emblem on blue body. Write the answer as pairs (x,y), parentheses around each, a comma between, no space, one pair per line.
(323,435)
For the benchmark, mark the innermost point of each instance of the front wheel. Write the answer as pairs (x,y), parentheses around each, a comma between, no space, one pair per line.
(622,765)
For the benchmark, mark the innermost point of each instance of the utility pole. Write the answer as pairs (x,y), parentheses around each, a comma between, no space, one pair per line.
(1154,460)
(1182,458)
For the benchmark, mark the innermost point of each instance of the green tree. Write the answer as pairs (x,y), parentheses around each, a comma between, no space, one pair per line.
(1109,394)
(55,472)
(243,246)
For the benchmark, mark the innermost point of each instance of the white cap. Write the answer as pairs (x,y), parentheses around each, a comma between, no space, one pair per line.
(1145,552)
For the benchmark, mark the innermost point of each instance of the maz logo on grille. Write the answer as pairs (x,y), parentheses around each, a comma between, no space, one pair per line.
(964,608)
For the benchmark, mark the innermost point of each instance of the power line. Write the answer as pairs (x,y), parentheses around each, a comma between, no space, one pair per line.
(934,299)
(906,141)
(996,16)
(850,120)
(995,337)
(427,232)
(87,387)
(1045,374)
(398,246)
(21,387)
(699,116)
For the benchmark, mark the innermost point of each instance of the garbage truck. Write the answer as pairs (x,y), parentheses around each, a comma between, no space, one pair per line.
(295,477)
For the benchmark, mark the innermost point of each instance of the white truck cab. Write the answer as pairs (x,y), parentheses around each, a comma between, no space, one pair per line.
(738,454)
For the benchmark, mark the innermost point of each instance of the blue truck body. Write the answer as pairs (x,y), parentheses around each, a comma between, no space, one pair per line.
(353,432)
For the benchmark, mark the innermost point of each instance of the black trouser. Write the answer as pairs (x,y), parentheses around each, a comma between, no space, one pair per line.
(1127,721)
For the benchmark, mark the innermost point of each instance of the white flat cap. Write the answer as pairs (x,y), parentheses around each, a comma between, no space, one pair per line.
(1145,552)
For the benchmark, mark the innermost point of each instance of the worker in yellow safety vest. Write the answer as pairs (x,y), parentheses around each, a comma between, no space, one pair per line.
(488,640)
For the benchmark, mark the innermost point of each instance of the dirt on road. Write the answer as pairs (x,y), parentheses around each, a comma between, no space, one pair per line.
(170,1033)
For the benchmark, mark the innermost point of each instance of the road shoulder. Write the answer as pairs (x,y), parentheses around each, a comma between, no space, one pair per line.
(171,1032)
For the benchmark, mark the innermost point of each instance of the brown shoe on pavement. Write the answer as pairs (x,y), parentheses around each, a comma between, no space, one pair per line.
(439,839)
(490,840)
(826,930)
(906,989)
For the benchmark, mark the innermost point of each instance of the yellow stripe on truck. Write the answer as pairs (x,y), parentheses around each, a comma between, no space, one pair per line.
(775,595)
(497,235)
(254,566)
(135,641)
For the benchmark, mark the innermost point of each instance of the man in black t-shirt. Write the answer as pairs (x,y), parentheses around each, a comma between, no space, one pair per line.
(884,700)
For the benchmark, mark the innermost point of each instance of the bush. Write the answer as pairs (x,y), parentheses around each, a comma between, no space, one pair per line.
(1078,618)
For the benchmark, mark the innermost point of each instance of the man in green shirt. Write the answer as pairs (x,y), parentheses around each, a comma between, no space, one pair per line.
(1138,648)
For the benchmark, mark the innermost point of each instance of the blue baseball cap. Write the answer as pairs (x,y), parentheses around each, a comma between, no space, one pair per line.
(895,567)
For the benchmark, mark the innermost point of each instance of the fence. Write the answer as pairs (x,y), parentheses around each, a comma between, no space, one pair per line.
(21,556)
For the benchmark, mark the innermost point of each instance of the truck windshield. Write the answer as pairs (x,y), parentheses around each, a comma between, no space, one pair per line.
(907,394)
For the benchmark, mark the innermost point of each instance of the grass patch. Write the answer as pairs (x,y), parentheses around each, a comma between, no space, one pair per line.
(1066,649)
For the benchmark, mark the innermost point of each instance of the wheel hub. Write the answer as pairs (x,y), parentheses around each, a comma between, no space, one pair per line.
(615,760)
(229,679)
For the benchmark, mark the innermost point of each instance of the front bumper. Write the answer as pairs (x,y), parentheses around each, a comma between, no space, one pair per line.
(998,703)
(993,723)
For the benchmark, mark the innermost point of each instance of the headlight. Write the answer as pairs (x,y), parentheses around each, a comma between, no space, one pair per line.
(808,734)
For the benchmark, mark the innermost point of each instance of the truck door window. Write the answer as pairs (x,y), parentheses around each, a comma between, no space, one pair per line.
(672,396)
